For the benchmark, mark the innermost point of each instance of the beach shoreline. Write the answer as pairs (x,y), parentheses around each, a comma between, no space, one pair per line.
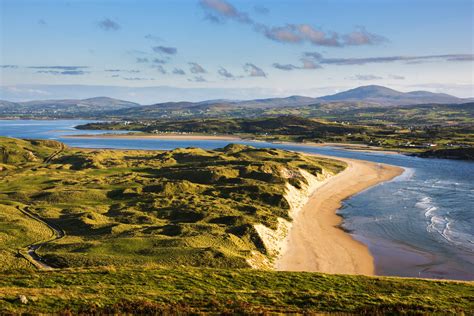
(158,136)
(316,242)
(193,136)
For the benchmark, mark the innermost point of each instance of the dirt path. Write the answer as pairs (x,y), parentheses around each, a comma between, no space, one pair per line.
(29,252)
(55,154)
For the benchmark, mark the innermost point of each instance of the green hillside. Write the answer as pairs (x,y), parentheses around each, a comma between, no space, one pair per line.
(16,151)
(155,290)
(181,207)
(149,232)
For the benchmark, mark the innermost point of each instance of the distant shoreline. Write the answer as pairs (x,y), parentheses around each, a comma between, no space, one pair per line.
(316,242)
(195,136)
(168,136)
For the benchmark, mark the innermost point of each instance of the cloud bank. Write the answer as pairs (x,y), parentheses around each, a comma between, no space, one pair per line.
(317,57)
(314,60)
(294,33)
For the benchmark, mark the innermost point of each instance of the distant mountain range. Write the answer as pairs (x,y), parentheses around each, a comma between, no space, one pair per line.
(64,108)
(365,96)
(386,96)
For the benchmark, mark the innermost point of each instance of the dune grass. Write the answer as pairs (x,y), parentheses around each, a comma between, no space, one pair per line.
(152,232)
(187,206)
(17,231)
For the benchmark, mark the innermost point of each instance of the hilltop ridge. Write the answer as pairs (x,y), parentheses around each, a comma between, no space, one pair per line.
(106,107)
(387,96)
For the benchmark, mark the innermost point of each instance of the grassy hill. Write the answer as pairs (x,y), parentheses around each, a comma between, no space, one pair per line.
(181,207)
(418,112)
(155,290)
(16,151)
(386,96)
(17,231)
(149,232)
(461,114)
(282,125)
(69,108)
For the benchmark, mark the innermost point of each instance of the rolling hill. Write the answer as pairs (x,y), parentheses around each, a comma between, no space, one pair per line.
(103,107)
(294,100)
(63,108)
(386,96)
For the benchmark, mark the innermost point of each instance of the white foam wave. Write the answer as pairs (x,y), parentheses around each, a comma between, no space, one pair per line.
(464,240)
(407,174)
(443,225)
(427,205)
(436,223)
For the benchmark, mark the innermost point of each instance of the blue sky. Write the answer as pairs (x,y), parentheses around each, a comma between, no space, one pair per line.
(247,48)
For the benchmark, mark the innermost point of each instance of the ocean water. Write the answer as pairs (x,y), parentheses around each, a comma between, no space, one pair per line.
(419,224)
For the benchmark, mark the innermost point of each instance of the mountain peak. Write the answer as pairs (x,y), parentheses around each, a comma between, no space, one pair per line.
(387,96)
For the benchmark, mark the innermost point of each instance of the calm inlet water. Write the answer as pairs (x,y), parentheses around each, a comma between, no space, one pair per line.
(420,224)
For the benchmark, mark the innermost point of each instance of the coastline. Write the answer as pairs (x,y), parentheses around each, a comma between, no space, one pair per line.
(168,136)
(275,240)
(315,242)
(376,252)
(344,146)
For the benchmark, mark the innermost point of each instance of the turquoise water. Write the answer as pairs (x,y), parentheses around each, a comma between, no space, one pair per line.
(420,224)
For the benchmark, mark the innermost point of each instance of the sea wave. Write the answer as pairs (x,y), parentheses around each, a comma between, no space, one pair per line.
(440,223)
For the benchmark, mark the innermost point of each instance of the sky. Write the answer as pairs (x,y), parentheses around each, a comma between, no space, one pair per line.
(157,50)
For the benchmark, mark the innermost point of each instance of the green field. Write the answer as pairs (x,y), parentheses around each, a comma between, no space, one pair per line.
(150,290)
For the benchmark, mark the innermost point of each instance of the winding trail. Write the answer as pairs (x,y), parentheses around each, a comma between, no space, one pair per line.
(55,154)
(29,252)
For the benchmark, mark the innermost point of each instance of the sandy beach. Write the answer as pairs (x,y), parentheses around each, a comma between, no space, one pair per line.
(315,242)
(167,136)
(345,146)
